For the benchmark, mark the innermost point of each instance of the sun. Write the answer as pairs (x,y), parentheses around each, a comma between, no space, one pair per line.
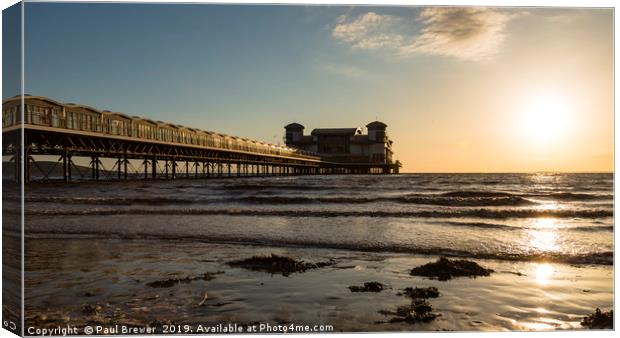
(546,119)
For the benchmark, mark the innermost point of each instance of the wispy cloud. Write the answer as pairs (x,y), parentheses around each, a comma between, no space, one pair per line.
(469,33)
(369,31)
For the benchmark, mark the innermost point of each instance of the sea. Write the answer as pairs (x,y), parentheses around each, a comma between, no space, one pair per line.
(555,217)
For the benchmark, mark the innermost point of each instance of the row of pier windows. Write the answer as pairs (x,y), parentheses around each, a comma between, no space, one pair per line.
(116,125)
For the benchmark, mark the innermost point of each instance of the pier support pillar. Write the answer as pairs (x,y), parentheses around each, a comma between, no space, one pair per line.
(174,168)
(97,167)
(146,168)
(69,164)
(119,162)
(27,160)
(154,167)
(64,166)
(125,162)
(94,162)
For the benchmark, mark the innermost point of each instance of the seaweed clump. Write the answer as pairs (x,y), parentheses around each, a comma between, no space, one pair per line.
(420,311)
(276,264)
(430,292)
(599,320)
(445,269)
(167,283)
(368,287)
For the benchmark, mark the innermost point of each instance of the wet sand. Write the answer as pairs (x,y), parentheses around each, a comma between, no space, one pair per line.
(109,281)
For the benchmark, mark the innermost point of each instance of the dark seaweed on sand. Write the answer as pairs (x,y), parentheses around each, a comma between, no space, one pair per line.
(423,293)
(166,283)
(420,311)
(276,264)
(368,287)
(599,320)
(444,269)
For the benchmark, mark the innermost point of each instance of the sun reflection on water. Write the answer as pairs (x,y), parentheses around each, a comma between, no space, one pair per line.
(548,206)
(544,273)
(544,223)
(537,326)
(542,236)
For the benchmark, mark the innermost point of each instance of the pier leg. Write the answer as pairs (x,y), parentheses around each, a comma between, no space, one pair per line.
(97,167)
(92,165)
(229,172)
(17,159)
(64,166)
(118,164)
(146,168)
(27,165)
(125,166)
(174,169)
(186,168)
(154,167)
(69,163)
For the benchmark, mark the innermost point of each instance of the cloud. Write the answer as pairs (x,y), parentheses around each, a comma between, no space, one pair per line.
(368,31)
(469,33)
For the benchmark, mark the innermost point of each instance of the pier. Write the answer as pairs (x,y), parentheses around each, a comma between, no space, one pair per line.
(116,146)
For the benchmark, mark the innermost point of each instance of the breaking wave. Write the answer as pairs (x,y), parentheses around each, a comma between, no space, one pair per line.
(478,213)
(561,196)
(599,258)
(275,200)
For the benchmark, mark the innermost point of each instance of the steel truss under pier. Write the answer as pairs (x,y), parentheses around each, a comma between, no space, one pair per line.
(158,160)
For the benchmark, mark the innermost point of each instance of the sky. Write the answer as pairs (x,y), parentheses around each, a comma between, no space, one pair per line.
(462,89)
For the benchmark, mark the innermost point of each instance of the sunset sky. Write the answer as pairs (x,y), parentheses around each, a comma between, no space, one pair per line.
(461,89)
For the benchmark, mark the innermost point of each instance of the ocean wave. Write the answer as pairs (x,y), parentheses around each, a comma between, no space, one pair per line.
(592,228)
(599,258)
(477,213)
(409,199)
(276,187)
(477,194)
(569,196)
(452,198)
(155,200)
(479,225)
(279,200)
(560,196)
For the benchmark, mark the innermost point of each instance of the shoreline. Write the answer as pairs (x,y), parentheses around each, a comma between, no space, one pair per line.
(601,258)
(109,283)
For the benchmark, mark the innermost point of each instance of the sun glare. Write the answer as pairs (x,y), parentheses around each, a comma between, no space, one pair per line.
(543,273)
(546,119)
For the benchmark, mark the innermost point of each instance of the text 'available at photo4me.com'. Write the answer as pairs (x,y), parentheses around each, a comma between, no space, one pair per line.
(219,328)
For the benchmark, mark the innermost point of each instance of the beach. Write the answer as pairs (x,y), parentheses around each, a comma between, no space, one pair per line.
(158,253)
(115,273)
